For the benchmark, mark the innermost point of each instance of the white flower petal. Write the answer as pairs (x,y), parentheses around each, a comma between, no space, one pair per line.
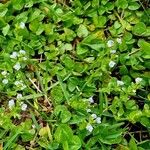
(11,103)
(110,43)
(89,127)
(94,116)
(4,73)
(24,107)
(98,120)
(17,83)
(119,40)
(91,100)
(19,96)
(17,66)
(24,58)
(88,110)
(120,83)
(14,55)
(112,64)
(113,51)
(22,25)
(4,81)
(23,52)
(138,80)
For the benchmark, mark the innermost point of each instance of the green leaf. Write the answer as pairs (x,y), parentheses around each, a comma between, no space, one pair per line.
(6,29)
(63,133)
(34,15)
(145,121)
(122,4)
(3,11)
(18,4)
(139,29)
(133,6)
(145,48)
(65,145)
(57,94)
(99,21)
(75,144)
(65,116)
(145,144)
(11,140)
(109,134)
(72,83)
(132,144)
(81,50)
(82,31)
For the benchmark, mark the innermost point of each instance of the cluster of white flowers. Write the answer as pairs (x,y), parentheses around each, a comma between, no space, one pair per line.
(120,83)
(96,118)
(138,80)
(4,73)
(112,64)
(11,104)
(20,84)
(15,54)
(89,127)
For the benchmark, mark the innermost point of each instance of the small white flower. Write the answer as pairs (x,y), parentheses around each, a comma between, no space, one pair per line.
(17,66)
(20,84)
(23,86)
(11,103)
(113,51)
(19,96)
(91,100)
(23,52)
(4,81)
(110,43)
(98,120)
(22,25)
(4,73)
(17,83)
(94,116)
(138,80)
(88,110)
(120,83)
(24,107)
(14,55)
(33,126)
(89,127)
(111,64)
(134,91)
(119,40)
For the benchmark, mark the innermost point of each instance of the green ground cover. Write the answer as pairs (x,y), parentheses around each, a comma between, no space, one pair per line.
(75,75)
